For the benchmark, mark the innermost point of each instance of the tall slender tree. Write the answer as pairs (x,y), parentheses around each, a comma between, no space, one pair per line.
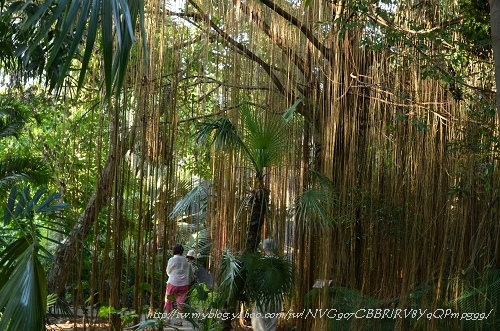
(495,40)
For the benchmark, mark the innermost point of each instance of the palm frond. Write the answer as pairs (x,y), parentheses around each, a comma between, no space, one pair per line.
(288,114)
(324,183)
(314,207)
(23,291)
(60,305)
(222,132)
(262,140)
(10,129)
(17,168)
(76,22)
(195,199)
(22,207)
(23,288)
(200,241)
(12,117)
(310,210)
(6,181)
(269,279)
(265,139)
(231,281)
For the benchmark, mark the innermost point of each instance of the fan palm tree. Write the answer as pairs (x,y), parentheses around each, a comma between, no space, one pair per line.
(262,141)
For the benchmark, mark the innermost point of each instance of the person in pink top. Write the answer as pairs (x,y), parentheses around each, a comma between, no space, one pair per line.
(180,275)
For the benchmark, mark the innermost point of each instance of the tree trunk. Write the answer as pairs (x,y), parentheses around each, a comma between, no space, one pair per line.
(258,203)
(495,40)
(64,256)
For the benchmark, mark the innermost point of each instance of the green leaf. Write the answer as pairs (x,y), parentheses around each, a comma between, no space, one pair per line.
(26,207)
(310,210)
(288,115)
(81,25)
(48,25)
(230,277)
(38,195)
(197,195)
(23,292)
(147,324)
(9,209)
(42,208)
(38,13)
(15,6)
(201,292)
(107,43)
(265,140)
(269,279)
(63,33)
(89,43)
(21,202)
(222,131)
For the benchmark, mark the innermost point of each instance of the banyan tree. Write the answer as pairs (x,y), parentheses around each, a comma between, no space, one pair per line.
(360,135)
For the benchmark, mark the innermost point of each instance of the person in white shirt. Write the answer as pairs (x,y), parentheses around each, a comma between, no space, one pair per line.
(180,274)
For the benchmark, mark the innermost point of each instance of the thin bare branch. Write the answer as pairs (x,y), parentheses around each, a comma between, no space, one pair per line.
(275,38)
(248,53)
(208,80)
(302,27)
